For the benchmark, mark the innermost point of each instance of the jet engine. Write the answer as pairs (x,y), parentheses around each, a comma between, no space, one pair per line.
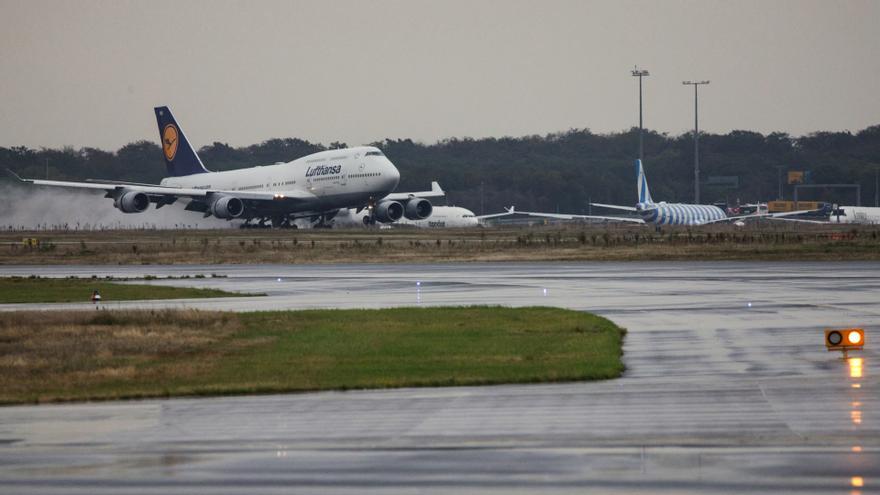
(388,211)
(227,207)
(418,209)
(132,202)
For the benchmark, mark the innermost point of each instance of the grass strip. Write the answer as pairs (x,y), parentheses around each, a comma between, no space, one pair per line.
(49,290)
(63,356)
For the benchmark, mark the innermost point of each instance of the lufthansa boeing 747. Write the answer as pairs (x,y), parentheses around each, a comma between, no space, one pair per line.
(315,187)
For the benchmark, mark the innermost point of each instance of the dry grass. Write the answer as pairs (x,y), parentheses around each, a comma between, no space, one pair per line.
(38,290)
(767,240)
(72,350)
(61,356)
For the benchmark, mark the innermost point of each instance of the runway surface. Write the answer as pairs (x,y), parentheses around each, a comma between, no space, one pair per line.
(728,389)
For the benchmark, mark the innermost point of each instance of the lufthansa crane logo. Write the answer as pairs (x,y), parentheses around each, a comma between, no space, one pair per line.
(169,141)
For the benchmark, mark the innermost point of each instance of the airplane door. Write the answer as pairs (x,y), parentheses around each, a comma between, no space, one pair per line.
(361,167)
(343,178)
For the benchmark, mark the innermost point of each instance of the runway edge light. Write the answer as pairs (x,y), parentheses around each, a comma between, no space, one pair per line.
(844,339)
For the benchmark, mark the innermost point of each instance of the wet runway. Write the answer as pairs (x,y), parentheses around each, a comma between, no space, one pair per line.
(728,389)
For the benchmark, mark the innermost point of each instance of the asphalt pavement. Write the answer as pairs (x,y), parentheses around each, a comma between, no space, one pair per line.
(728,389)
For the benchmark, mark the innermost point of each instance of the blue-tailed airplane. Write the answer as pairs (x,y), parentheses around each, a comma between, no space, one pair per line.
(664,213)
(648,211)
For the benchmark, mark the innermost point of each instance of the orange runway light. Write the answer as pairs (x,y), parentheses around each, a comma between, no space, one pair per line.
(844,339)
(857,481)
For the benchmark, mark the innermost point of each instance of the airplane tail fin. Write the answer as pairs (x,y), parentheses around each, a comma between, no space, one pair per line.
(642,184)
(180,157)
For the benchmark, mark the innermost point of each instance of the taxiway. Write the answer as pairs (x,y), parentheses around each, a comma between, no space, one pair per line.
(728,389)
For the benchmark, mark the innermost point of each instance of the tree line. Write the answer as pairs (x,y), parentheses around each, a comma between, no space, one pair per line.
(556,172)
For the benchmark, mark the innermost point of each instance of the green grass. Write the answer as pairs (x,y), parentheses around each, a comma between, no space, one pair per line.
(48,290)
(139,354)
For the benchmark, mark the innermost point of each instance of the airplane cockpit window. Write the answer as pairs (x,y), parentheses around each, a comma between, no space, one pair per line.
(374,153)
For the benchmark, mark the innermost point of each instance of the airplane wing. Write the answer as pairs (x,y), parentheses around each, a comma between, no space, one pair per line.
(564,216)
(163,195)
(615,207)
(507,212)
(799,220)
(435,192)
(559,216)
(769,216)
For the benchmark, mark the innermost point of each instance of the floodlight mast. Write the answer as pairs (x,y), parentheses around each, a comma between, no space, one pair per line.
(640,73)
(696,84)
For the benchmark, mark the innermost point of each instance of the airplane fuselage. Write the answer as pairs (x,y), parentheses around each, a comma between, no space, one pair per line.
(445,217)
(679,213)
(337,178)
(441,217)
(856,214)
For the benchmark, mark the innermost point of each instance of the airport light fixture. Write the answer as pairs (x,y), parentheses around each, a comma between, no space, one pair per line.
(876,187)
(696,84)
(845,339)
(636,72)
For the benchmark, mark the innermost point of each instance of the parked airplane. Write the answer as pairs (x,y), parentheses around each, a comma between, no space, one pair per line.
(668,213)
(316,186)
(664,213)
(446,217)
(441,217)
(855,214)
(648,211)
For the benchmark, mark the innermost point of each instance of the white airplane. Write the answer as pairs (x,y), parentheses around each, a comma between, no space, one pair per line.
(441,217)
(452,217)
(661,213)
(316,186)
(855,214)
(664,213)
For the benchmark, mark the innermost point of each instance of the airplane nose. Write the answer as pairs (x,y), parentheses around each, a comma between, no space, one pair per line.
(393,176)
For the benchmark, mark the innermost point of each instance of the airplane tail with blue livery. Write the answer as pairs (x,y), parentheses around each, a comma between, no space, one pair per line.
(180,157)
(642,185)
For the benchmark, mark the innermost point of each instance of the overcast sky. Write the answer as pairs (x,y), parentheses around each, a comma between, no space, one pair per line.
(87,73)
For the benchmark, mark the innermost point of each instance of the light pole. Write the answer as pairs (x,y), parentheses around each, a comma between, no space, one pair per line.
(779,182)
(877,186)
(696,84)
(640,74)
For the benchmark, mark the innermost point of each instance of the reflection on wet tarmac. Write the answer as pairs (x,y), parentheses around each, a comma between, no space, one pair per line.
(856,373)
(856,417)
(855,367)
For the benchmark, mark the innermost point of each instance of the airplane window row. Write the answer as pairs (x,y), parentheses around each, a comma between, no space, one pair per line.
(374,153)
(355,176)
